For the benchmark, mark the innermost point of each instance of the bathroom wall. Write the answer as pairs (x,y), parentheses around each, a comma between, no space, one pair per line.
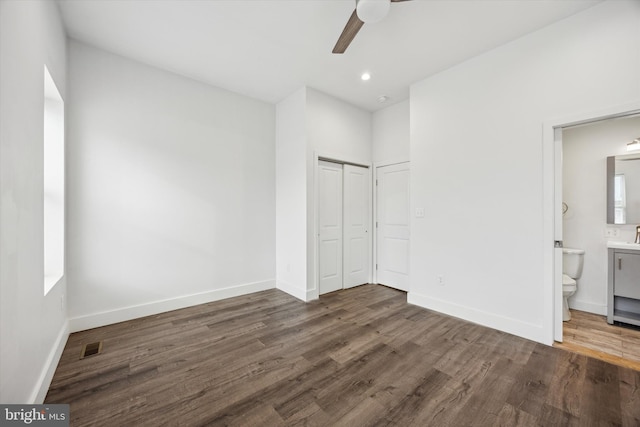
(585,149)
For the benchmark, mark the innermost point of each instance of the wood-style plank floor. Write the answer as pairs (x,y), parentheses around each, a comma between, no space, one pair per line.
(358,357)
(590,334)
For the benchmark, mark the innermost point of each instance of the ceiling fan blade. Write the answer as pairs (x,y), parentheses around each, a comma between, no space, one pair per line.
(398,1)
(350,30)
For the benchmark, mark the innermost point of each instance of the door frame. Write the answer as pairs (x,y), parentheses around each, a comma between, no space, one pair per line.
(552,207)
(374,200)
(313,288)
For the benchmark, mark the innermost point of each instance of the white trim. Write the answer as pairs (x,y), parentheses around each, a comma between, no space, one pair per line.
(551,324)
(548,232)
(589,307)
(297,292)
(556,298)
(390,162)
(44,380)
(104,318)
(595,116)
(506,324)
(313,285)
(374,221)
(313,294)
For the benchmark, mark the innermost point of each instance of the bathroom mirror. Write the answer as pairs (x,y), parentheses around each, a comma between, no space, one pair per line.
(623,189)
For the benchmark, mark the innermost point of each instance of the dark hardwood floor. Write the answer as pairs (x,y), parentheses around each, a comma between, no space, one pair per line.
(356,357)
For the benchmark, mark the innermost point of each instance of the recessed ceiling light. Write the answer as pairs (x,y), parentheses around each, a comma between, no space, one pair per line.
(365,76)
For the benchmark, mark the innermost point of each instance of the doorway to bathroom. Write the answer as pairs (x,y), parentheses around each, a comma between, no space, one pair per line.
(578,147)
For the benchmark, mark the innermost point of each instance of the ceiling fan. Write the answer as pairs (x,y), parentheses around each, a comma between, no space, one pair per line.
(369,11)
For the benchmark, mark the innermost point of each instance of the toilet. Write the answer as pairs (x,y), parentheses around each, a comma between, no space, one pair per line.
(572,261)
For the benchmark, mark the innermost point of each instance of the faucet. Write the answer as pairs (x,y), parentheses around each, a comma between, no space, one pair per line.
(637,234)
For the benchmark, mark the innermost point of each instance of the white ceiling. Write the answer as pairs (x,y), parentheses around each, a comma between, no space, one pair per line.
(267,49)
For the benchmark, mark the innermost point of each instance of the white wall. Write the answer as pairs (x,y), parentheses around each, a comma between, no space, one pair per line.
(291,195)
(477,163)
(171,189)
(337,130)
(310,123)
(391,134)
(33,327)
(584,165)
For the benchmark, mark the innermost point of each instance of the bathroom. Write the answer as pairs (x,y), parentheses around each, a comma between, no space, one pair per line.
(585,151)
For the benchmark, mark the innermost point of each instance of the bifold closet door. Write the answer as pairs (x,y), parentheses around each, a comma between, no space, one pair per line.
(357,218)
(329,227)
(393,226)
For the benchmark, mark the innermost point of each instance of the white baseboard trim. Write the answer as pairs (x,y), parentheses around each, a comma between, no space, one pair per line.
(512,326)
(302,294)
(49,368)
(104,318)
(312,294)
(589,307)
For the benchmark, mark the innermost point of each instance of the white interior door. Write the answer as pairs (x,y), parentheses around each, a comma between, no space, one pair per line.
(392,238)
(557,232)
(329,227)
(357,217)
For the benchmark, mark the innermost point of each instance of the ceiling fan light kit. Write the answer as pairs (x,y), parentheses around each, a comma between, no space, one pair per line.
(369,11)
(372,11)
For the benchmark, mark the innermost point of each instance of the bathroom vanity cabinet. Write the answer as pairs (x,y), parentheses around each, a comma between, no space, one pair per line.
(624,284)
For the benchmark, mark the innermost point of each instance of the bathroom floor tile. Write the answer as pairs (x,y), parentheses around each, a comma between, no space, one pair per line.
(590,334)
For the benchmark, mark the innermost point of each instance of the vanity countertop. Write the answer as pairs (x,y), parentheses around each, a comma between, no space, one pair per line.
(624,245)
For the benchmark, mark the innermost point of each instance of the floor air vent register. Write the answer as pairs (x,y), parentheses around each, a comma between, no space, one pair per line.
(91,349)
